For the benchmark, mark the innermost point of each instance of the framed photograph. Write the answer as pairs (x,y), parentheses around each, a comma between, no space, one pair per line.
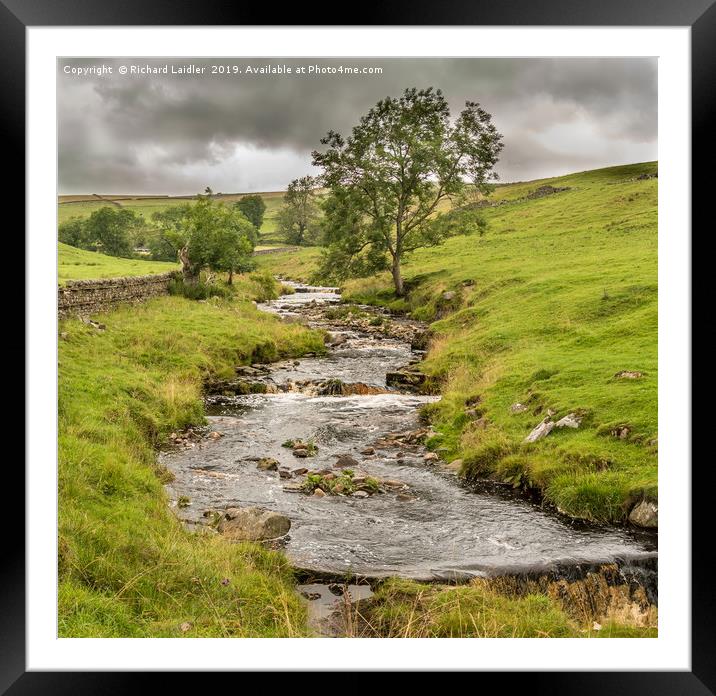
(379,333)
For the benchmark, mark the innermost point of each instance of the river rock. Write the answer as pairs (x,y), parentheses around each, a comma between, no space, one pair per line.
(454,465)
(368,451)
(360,494)
(253,524)
(569,421)
(540,431)
(431,457)
(300,471)
(214,435)
(267,464)
(391,483)
(334,340)
(518,408)
(300,452)
(285,473)
(345,460)
(404,497)
(410,380)
(318,493)
(645,514)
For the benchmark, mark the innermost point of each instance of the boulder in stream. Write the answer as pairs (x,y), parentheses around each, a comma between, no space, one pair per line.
(410,380)
(645,514)
(253,524)
(267,464)
(345,460)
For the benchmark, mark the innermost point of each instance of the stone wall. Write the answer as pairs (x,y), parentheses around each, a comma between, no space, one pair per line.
(275,250)
(85,297)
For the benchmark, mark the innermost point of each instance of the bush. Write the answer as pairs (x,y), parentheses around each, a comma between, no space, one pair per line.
(199,291)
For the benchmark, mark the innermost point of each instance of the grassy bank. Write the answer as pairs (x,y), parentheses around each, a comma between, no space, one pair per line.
(78,264)
(405,609)
(545,309)
(126,566)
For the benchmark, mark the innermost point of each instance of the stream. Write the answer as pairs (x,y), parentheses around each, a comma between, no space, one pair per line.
(434,528)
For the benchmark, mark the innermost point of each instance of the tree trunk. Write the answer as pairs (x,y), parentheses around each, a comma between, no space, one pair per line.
(231,276)
(397,277)
(190,273)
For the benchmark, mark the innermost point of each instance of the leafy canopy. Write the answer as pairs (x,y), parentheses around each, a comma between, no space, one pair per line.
(387,179)
(253,207)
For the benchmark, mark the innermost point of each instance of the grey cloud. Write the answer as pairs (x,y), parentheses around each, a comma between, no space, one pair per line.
(178,133)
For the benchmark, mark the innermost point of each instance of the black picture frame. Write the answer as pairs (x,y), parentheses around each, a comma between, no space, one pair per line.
(700,15)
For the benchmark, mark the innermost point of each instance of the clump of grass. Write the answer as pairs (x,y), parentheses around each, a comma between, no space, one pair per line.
(126,565)
(343,484)
(198,291)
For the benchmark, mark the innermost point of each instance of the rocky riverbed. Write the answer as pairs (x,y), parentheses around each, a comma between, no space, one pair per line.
(336,450)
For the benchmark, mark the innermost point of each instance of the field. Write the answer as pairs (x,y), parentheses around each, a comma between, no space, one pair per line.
(78,264)
(83,206)
(555,300)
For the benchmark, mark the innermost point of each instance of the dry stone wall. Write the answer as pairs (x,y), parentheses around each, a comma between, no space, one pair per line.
(85,297)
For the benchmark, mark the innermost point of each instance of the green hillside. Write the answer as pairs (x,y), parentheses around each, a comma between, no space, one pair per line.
(78,264)
(556,299)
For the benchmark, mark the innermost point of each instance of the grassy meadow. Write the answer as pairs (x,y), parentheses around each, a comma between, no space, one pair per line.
(557,297)
(78,264)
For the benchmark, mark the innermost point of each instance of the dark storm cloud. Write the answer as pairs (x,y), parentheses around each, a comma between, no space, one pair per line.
(177,133)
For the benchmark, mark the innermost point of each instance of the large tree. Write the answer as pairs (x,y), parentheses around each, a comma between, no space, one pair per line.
(110,230)
(209,234)
(298,216)
(387,179)
(253,207)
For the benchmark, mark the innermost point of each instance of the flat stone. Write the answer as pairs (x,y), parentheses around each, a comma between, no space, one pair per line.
(569,421)
(628,374)
(360,494)
(540,431)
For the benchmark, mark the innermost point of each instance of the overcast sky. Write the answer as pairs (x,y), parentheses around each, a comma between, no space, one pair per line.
(236,132)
